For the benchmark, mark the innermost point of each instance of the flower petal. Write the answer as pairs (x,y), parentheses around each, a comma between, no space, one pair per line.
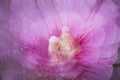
(27,21)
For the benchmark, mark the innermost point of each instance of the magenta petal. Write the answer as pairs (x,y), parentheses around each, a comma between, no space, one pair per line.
(92,38)
(5,35)
(26,26)
(29,21)
(108,51)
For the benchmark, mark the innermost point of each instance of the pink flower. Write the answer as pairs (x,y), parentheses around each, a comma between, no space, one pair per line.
(62,39)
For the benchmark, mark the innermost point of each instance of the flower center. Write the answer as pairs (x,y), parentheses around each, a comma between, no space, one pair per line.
(63,47)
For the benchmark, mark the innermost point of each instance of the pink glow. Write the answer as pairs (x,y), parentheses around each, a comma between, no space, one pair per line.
(91,23)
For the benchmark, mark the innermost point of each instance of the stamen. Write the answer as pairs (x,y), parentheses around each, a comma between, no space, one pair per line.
(53,44)
(63,46)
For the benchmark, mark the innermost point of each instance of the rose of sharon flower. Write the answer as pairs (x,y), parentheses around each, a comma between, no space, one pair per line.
(59,39)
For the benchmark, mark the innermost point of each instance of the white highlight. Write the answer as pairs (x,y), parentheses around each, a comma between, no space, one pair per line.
(63,47)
